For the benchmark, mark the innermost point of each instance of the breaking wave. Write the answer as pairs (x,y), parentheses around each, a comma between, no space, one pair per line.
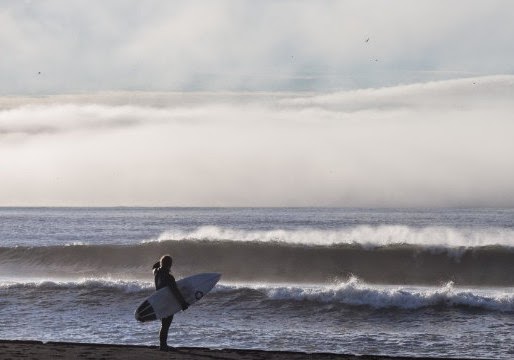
(352,293)
(125,286)
(356,293)
(365,235)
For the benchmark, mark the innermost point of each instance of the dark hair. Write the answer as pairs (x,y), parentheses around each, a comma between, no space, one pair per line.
(166,261)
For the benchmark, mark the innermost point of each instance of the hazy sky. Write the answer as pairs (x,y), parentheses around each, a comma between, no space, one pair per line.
(248,45)
(286,103)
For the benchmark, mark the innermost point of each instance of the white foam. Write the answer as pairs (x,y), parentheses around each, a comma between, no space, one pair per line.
(369,236)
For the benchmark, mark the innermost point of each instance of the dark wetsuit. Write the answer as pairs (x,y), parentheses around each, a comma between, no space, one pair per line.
(163,278)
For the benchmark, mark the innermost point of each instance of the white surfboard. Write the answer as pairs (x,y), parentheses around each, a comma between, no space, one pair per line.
(163,303)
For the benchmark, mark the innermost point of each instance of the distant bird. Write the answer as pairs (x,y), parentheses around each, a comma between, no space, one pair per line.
(39,72)
(367,40)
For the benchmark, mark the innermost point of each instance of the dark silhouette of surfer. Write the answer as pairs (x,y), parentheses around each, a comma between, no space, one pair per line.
(163,278)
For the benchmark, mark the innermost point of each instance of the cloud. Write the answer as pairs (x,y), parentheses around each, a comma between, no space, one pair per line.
(431,144)
(248,45)
(56,118)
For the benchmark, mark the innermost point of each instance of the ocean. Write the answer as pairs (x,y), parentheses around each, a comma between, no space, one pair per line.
(405,282)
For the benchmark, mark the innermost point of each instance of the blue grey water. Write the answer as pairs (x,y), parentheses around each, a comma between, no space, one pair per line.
(410,282)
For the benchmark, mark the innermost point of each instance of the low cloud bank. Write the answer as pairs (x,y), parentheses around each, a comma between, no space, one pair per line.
(433,144)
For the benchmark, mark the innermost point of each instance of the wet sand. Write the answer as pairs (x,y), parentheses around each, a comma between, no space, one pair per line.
(60,350)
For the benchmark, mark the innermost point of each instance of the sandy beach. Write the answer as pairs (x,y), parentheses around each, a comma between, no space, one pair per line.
(19,349)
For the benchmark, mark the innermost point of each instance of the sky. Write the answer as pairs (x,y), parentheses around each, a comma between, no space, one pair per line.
(256,103)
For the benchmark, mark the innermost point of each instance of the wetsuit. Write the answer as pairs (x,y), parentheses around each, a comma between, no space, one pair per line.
(163,278)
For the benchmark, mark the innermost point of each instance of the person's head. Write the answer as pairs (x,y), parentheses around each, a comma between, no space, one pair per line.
(166,262)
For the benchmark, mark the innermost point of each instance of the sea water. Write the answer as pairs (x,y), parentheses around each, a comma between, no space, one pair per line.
(409,282)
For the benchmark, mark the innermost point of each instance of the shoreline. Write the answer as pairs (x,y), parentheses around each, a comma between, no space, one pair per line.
(29,349)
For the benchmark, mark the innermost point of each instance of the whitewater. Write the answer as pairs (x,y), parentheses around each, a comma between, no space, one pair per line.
(411,282)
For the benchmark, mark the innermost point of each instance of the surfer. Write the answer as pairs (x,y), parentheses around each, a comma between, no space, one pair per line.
(163,278)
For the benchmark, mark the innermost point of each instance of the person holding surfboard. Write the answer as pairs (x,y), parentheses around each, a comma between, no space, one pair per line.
(163,278)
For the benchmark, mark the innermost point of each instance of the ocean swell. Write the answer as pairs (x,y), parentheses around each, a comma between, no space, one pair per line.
(270,261)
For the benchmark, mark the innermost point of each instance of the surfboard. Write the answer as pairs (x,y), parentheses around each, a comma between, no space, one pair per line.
(163,303)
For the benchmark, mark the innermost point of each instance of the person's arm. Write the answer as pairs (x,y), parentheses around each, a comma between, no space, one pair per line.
(176,292)
(155,267)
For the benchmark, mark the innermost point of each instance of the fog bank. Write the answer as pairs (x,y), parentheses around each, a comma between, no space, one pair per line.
(443,143)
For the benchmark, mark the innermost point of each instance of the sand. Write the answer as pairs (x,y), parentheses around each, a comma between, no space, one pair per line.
(60,350)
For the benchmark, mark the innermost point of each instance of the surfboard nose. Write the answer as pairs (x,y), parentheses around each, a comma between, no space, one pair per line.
(217,276)
(213,277)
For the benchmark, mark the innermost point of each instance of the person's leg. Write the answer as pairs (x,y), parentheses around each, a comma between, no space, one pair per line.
(163,334)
